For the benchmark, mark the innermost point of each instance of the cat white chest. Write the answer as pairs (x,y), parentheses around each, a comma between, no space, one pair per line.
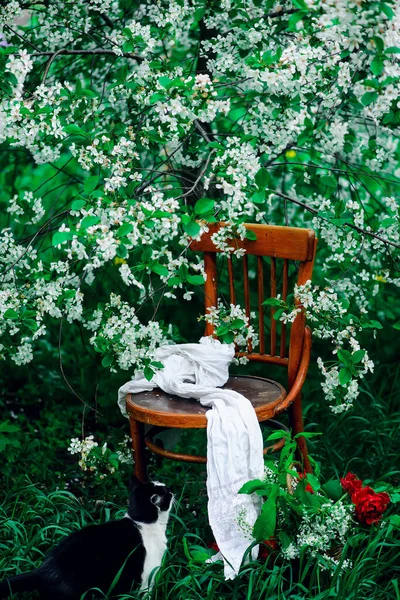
(155,543)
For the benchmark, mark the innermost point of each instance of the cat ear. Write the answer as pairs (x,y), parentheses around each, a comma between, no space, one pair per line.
(134,482)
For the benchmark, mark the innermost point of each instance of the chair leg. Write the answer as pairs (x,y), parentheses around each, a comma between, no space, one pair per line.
(137,435)
(297,426)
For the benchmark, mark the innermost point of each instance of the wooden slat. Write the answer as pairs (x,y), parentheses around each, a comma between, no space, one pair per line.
(246,292)
(260,270)
(210,286)
(265,358)
(292,243)
(231,281)
(284,296)
(273,295)
(297,329)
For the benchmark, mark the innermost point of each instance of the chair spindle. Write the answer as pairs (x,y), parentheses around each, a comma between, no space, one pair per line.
(284,296)
(260,270)
(231,284)
(246,293)
(273,295)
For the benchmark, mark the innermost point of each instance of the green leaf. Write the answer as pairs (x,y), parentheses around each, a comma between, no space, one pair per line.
(372,325)
(313,481)
(368,98)
(204,205)
(377,65)
(199,13)
(392,50)
(8,428)
(277,435)
(387,11)
(357,356)
(329,181)
(157,97)
(195,279)
(157,364)
(397,325)
(262,178)
(122,251)
(107,360)
(307,435)
(258,197)
(148,373)
(237,324)
(90,184)
(74,130)
(250,235)
(395,521)
(272,302)
(89,221)
(87,93)
(11,314)
(378,43)
(192,229)
(294,19)
(165,81)
(278,314)
(31,324)
(344,356)
(251,486)
(222,330)
(174,281)
(61,236)
(159,269)
(78,204)
(344,376)
(200,554)
(265,525)
(124,229)
(228,337)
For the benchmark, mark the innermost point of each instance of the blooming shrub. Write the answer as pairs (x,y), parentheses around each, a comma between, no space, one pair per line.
(302,517)
(125,130)
(100,461)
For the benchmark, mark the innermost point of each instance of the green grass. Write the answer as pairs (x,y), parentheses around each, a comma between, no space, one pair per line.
(45,497)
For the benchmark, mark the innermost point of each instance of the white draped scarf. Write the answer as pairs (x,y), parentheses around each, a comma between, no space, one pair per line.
(234,439)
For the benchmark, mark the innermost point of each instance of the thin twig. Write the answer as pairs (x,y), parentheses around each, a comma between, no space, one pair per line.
(199,177)
(100,51)
(355,227)
(202,131)
(86,405)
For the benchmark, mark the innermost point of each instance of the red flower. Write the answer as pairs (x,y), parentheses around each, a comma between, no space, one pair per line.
(308,488)
(350,483)
(370,505)
(213,546)
(268,547)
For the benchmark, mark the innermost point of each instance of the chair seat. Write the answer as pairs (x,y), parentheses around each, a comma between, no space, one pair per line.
(166,410)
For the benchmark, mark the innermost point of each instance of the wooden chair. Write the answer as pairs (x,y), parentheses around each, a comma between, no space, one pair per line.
(268,397)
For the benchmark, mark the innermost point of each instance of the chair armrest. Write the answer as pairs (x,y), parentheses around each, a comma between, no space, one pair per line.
(301,373)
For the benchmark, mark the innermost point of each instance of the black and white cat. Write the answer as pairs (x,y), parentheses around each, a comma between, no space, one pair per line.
(92,557)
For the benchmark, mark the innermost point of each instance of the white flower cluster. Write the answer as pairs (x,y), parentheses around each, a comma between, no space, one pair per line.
(233,322)
(118,331)
(321,532)
(98,461)
(325,312)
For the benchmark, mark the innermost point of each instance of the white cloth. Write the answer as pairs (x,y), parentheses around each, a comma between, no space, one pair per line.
(234,439)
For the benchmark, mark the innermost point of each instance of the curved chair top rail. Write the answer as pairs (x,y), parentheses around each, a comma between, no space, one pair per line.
(292,243)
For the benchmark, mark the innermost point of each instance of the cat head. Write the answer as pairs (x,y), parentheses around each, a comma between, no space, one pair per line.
(149,501)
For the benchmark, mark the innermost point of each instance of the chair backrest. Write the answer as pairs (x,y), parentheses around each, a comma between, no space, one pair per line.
(295,247)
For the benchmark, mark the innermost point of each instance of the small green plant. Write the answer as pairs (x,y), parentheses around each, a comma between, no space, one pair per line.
(310,519)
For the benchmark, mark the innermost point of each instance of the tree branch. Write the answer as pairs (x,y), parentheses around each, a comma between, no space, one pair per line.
(346,224)
(99,51)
